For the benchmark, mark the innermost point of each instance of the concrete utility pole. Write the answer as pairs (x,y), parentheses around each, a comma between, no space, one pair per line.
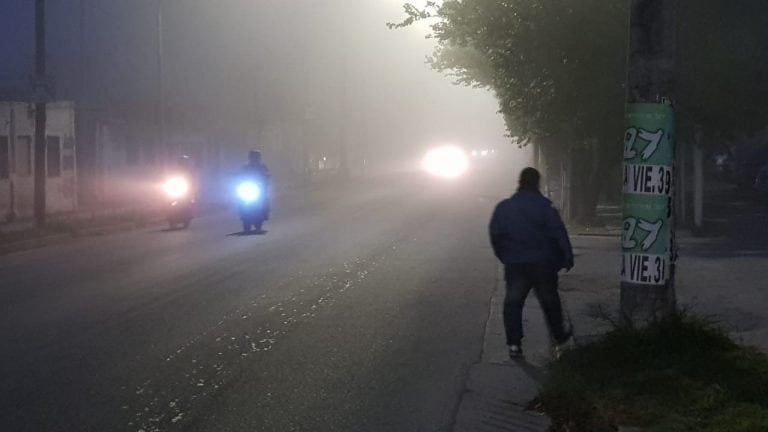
(345,114)
(161,151)
(41,95)
(83,133)
(648,250)
(81,79)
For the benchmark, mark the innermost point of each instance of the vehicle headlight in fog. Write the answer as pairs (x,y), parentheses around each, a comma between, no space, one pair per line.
(176,187)
(248,192)
(447,162)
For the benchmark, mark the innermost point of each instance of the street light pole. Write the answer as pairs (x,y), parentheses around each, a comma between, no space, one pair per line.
(41,95)
(648,248)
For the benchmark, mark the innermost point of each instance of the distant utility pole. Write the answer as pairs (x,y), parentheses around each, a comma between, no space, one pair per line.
(41,95)
(343,144)
(648,247)
(81,53)
(160,152)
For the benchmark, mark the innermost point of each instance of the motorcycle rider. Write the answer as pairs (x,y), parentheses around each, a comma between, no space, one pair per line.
(181,188)
(258,171)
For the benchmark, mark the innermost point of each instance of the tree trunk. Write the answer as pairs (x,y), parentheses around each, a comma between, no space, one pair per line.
(543,160)
(594,187)
(585,189)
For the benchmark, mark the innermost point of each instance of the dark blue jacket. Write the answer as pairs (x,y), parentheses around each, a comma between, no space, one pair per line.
(526,229)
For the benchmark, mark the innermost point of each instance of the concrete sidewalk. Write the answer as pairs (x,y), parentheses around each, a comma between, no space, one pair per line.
(724,278)
(22,235)
(498,389)
(727,280)
(715,277)
(722,272)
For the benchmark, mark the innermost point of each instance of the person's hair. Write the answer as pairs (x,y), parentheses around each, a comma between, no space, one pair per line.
(529,180)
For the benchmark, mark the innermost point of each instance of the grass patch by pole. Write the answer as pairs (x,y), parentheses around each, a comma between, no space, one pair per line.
(680,374)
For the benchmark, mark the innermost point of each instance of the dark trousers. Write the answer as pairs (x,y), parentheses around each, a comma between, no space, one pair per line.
(543,279)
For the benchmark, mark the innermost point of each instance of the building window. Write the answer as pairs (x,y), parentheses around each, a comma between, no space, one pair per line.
(5,158)
(24,156)
(68,154)
(53,156)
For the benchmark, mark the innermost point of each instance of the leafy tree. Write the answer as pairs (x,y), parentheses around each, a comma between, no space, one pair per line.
(557,68)
(722,64)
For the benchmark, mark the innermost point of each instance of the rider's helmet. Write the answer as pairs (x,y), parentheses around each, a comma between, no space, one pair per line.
(254,157)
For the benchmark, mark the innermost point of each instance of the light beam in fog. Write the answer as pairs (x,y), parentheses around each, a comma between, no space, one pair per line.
(447,162)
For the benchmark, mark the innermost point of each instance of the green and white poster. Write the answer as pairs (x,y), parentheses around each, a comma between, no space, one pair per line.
(646,239)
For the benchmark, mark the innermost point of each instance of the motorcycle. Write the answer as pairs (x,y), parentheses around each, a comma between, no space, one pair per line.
(180,202)
(252,204)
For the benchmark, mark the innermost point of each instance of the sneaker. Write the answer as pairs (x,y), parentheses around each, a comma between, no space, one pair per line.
(562,345)
(557,351)
(515,351)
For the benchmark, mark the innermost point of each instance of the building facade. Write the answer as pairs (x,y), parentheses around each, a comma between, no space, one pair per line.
(17,159)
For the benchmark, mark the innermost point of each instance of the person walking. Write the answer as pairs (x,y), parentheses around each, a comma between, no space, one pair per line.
(529,238)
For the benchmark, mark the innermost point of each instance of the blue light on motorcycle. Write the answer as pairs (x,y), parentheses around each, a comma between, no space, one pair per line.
(248,192)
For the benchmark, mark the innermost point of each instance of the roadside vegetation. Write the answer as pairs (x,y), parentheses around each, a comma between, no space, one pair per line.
(558,69)
(681,374)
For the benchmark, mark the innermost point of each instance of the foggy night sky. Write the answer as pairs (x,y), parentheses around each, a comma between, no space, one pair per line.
(230,53)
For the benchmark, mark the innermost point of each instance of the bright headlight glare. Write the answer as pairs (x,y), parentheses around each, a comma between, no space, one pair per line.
(248,192)
(176,187)
(447,162)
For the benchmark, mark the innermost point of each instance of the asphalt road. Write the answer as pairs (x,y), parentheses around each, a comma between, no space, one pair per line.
(361,309)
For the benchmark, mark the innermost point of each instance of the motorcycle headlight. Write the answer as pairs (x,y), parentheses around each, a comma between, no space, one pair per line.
(176,187)
(248,192)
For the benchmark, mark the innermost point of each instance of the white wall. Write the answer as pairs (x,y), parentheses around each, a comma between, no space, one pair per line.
(17,191)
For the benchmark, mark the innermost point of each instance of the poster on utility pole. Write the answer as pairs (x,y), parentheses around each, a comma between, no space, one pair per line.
(646,238)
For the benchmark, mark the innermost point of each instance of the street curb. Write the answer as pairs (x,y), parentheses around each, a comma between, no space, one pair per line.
(20,246)
(106,230)
(52,240)
(56,239)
